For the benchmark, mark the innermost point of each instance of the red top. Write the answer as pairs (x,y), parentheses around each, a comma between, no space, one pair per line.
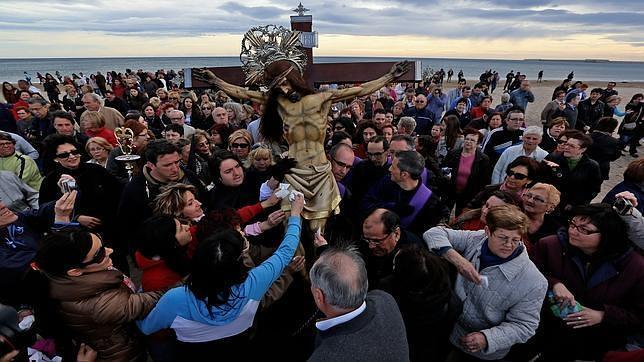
(105,134)
(156,274)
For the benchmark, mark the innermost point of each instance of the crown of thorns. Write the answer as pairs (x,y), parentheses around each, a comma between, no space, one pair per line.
(263,45)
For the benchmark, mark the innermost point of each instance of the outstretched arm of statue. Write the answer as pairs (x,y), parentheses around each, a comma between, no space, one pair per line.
(367,88)
(234,91)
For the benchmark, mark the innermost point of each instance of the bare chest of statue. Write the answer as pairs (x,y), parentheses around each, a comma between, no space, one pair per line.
(304,128)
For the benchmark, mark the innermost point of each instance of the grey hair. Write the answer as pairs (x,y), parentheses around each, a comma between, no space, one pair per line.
(411,144)
(36,100)
(505,97)
(177,111)
(236,108)
(534,130)
(95,97)
(407,123)
(411,162)
(342,276)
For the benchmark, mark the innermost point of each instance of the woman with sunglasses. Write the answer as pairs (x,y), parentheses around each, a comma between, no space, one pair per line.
(96,303)
(591,268)
(199,155)
(501,289)
(99,190)
(239,143)
(520,173)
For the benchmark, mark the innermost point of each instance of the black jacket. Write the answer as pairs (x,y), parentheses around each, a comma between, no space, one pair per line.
(579,185)
(604,150)
(478,179)
(424,119)
(589,114)
(499,140)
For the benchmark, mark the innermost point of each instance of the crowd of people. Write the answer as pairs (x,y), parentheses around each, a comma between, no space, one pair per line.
(465,232)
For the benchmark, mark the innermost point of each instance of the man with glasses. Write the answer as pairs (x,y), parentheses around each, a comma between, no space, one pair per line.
(177,117)
(504,137)
(423,116)
(368,172)
(530,147)
(382,237)
(11,160)
(578,177)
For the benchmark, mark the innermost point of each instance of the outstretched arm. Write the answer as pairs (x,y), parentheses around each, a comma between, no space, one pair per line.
(367,88)
(230,89)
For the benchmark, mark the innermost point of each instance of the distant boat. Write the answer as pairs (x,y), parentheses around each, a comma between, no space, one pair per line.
(596,60)
(568,60)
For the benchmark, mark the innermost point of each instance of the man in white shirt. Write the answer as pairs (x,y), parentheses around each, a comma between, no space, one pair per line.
(530,147)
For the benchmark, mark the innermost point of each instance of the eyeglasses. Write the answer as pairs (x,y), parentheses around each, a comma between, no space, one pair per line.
(206,108)
(581,229)
(507,241)
(537,199)
(68,153)
(571,145)
(378,241)
(516,119)
(516,175)
(239,145)
(375,154)
(342,164)
(420,101)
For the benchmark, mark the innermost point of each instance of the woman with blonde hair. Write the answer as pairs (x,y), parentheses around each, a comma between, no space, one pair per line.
(239,143)
(235,114)
(179,200)
(93,124)
(260,160)
(538,203)
(99,149)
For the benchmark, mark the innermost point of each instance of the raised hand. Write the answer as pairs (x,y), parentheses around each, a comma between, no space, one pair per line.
(400,68)
(204,75)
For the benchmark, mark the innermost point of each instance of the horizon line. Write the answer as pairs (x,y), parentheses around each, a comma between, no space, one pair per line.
(331,56)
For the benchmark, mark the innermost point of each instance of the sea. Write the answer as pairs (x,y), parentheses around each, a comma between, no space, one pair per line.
(592,69)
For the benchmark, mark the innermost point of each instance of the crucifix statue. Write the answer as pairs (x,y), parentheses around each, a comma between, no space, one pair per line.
(271,58)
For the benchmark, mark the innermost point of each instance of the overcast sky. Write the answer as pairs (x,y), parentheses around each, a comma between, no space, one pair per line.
(504,29)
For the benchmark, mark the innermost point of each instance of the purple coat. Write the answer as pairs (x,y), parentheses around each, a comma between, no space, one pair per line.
(614,285)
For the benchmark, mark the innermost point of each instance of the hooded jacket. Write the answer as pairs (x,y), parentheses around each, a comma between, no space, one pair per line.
(98,309)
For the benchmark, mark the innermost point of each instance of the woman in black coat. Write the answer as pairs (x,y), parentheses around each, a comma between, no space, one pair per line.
(465,183)
(605,147)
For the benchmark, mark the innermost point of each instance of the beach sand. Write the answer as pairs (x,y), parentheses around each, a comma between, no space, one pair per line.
(543,93)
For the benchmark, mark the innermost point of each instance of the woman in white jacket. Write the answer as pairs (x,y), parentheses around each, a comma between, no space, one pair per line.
(501,289)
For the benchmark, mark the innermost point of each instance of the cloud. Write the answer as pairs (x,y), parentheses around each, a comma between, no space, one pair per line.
(483,20)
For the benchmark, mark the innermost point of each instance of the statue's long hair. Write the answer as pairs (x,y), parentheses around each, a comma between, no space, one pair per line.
(272,126)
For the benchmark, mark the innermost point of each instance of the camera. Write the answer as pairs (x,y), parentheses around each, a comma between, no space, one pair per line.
(622,206)
(68,185)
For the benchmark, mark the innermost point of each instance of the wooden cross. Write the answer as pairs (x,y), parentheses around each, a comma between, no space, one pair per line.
(315,74)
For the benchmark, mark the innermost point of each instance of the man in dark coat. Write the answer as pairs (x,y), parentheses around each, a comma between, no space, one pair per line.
(359,326)
(423,116)
(590,111)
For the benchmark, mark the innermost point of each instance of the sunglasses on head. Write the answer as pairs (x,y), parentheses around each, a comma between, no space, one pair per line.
(98,257)
(561,142)
(238,145)
(516,175)
(67,154)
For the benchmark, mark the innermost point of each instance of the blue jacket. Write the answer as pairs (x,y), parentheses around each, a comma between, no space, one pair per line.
(180,310)
(424,119)
(521,98)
